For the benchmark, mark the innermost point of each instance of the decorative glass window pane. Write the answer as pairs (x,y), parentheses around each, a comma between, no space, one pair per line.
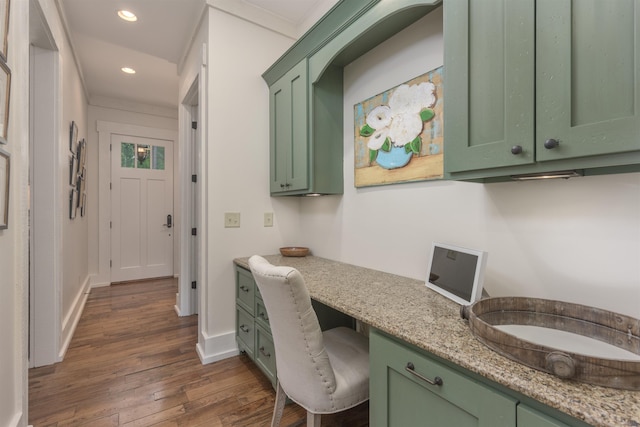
(158,157)
(127,156)
(144,161)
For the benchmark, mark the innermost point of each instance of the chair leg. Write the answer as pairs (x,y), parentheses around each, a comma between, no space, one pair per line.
(313,420)
(281,398)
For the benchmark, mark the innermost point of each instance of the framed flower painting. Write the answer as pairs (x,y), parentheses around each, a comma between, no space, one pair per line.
(398,133)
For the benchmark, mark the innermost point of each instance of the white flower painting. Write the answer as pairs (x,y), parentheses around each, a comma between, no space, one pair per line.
(398,133)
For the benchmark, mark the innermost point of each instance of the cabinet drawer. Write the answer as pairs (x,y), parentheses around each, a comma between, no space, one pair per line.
(245,289)
(262,318)
(265,353)
(401,395)
(245,328)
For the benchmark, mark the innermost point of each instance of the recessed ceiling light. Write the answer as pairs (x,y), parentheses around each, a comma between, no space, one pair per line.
(128,70)
(127,16)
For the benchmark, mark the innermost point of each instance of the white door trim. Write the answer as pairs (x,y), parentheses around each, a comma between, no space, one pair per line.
(105,130)
(184,301)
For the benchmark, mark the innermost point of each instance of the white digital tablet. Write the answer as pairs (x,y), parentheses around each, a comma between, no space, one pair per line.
(456,272)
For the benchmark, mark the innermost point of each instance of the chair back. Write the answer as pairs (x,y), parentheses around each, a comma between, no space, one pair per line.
(303,366)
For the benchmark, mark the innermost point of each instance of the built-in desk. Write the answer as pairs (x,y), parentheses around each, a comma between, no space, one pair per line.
(407,310)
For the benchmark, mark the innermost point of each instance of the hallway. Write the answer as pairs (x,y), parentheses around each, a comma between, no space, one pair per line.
(132,362)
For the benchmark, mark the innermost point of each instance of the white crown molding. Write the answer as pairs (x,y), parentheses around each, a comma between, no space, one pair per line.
(256,15)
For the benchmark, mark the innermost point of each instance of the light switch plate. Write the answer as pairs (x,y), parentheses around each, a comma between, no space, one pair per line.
(232,220)
(268,219)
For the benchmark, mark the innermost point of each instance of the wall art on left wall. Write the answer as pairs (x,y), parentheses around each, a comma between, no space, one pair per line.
(5,166)
(4,29)
(5,88)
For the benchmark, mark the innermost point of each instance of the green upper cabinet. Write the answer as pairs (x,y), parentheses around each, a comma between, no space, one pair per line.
(306,133)
(535,86)
(288,130)
(587,78)
(306,92)
(489,106)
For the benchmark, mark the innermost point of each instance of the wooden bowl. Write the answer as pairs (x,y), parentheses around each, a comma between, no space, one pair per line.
(295,251)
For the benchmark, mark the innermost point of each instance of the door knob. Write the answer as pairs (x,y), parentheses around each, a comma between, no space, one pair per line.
(168,224)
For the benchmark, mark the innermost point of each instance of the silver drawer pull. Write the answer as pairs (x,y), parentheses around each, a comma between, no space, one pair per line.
(244,288)
(264,353)
(244,329)
(412,370)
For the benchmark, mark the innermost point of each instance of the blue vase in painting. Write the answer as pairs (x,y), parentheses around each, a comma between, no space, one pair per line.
(394,159)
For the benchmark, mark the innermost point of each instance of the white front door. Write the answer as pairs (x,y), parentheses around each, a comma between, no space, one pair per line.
(141,208)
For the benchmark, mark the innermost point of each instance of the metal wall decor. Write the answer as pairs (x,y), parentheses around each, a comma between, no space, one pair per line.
(5,92)
(77,173)
(4,29)
(5,89)
(5,160)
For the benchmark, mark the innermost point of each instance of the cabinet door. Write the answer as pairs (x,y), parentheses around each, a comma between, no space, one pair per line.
(489,83)
(400,399)
(288,130)
(529,417)
(587,77)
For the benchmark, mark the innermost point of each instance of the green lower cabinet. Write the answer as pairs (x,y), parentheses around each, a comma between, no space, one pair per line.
(529,417)
(245,331)
(402,396)
(409,387)
(265,353)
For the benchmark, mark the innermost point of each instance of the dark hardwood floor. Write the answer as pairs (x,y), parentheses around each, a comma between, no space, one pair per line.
(132,362)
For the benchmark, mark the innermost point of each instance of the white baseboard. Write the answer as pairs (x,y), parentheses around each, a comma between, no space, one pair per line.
(72,318)
(95,282)
(215,348)
(16,420)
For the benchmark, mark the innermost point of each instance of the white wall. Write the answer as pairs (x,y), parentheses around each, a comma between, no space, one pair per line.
(576,240)
(71,277)
(75,232)
(237,144)
(13,241)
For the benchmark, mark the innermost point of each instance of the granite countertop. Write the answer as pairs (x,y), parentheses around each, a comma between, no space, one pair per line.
(407,309)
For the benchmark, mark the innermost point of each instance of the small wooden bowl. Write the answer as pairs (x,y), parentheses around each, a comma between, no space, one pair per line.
(294,251)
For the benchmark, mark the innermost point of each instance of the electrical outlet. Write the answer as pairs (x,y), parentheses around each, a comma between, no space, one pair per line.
(268,219)
(232,219)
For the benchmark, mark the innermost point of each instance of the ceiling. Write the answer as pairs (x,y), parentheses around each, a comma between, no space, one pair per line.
(153,45)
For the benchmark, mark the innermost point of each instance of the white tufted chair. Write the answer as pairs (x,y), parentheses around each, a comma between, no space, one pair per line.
(322,372)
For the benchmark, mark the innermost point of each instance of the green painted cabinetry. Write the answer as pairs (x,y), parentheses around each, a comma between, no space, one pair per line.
(411,387)
(288,131)
(534,86)
(306,92)
(529,417)
(400,397)
(306,133)
(253,333)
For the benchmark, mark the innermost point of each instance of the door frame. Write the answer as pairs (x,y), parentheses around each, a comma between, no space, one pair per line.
(105,130)
(186,302)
